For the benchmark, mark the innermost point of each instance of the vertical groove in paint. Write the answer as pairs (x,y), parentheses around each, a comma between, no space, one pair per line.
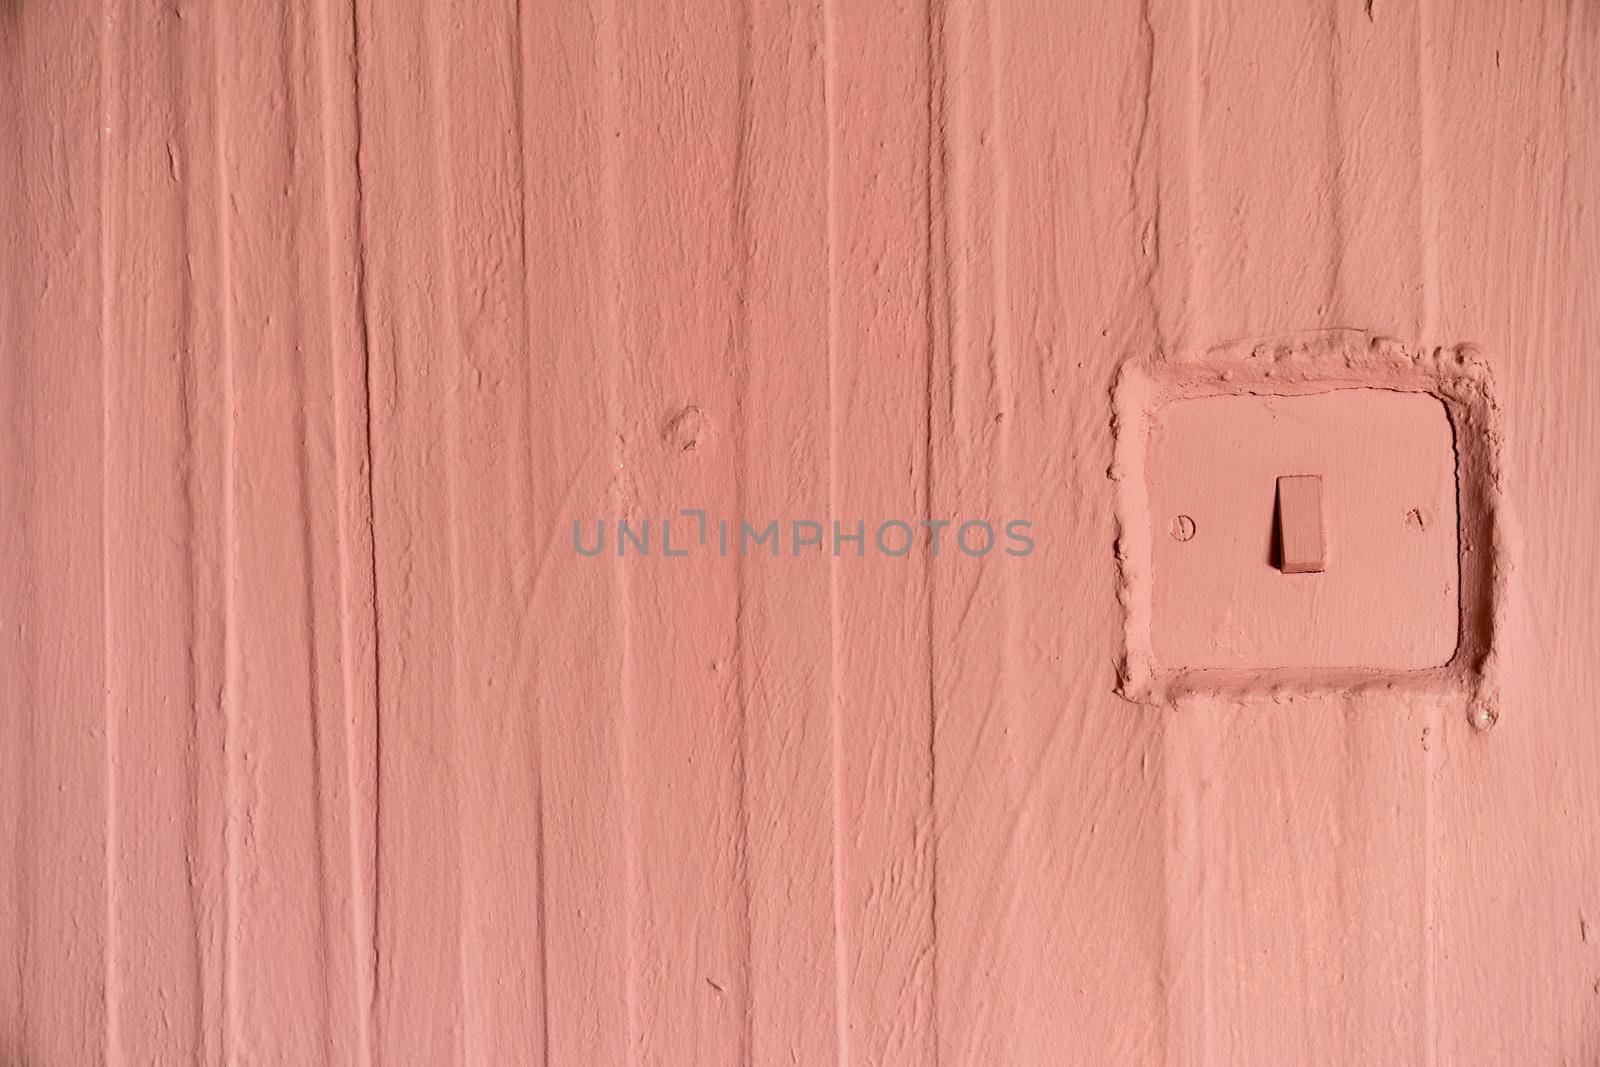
(1011,591)
(230,982)
(189,405)
(110,991)
(1198,316)
(1432,769)
(1427,196)
(468,1022)
(1333,309)
(740,355)
(339,252)
(841,960)
(1001,346)
(373,1015)
(320,774)
(610,57)
(935,247)
(541,886)
(291,31)
(1151,245)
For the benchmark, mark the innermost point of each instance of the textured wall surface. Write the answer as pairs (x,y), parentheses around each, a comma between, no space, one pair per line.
(321,325)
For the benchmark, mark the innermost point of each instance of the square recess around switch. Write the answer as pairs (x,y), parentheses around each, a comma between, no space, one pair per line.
(1405,444)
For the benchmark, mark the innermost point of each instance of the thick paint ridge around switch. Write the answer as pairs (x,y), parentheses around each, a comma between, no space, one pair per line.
(1302,543)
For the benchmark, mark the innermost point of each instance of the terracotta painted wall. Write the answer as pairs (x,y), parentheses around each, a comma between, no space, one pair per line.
(320,326)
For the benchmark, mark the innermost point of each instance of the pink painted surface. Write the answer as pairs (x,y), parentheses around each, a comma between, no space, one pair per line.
(321,325)
(1388,596)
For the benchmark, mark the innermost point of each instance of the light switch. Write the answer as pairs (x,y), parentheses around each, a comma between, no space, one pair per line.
(1303,531)
(1301,545)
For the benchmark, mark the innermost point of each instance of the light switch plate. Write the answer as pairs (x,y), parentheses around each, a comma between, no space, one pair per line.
(1387,596)
(1406,445)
